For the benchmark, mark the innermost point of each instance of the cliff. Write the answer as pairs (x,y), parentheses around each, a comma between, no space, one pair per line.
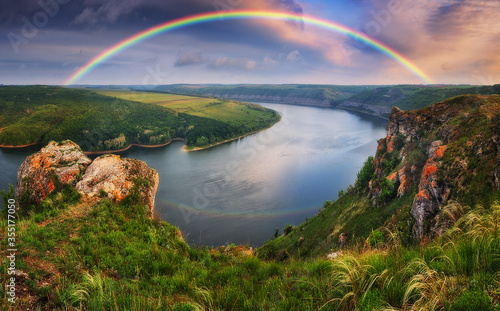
(61,164)
(447,151)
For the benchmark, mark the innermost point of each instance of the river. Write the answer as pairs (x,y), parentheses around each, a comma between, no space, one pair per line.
(239,192)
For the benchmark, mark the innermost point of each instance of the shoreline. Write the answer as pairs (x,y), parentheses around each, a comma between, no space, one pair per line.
(20,146)
(184,148)
(228,140)
(362,112)
(131,145)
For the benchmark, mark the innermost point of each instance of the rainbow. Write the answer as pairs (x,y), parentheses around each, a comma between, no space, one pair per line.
(243,14)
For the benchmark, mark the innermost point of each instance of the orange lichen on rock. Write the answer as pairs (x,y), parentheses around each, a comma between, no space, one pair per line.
(36,174)
(440,151)
(404,182)
(392,177)
(429,169)
(422,194)
(390,144)
(51,186)
(116,177)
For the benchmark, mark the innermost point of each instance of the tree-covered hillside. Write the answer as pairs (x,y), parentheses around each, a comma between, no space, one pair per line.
(32,114)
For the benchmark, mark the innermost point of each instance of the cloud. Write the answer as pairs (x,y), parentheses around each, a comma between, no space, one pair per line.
(269,61)
(105,11)
(188,58)
(293,56)
(233,63)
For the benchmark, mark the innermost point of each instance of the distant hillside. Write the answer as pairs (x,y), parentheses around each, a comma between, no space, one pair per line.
(372,100)
(446,152)
(379,101)
(39,114)
(313,95)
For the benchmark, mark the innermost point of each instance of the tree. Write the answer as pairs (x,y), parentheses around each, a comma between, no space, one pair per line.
(365,174)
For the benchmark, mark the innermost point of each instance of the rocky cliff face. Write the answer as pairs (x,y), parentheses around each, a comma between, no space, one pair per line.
(59,164)
(54,164)
(428,154)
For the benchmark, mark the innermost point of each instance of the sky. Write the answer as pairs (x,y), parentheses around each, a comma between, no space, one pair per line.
(452,41)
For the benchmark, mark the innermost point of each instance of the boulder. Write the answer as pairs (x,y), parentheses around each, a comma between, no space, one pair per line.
(56,163)
(116,178)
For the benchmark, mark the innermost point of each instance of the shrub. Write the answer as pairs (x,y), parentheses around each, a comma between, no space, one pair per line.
(472,301)
(102,193)
(365,174)
(376,238)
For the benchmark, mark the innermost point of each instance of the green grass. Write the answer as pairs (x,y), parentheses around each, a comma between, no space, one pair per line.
(113,257)
(228,111)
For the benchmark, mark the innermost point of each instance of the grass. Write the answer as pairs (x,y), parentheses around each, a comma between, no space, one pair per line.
(232,112)
(113,257)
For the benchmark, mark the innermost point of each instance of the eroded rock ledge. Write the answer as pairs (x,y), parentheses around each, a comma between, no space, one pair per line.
(59,164)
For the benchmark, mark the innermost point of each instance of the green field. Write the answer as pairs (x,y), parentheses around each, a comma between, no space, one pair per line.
(230,111)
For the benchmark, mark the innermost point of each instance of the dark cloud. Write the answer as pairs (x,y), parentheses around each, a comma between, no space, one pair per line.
(112,11)
(108,11)
(188,58)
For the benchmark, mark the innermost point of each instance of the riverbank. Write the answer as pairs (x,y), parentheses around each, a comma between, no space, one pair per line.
(363,113)
(185,148)
(20,146)
(130,146)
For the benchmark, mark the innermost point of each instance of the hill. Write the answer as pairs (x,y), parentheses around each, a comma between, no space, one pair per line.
(39,114)
(235,113)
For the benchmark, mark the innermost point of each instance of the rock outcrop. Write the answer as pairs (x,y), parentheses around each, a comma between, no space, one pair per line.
(447,150)
(108,175)
(55,164)
(116,178)
(430,196)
